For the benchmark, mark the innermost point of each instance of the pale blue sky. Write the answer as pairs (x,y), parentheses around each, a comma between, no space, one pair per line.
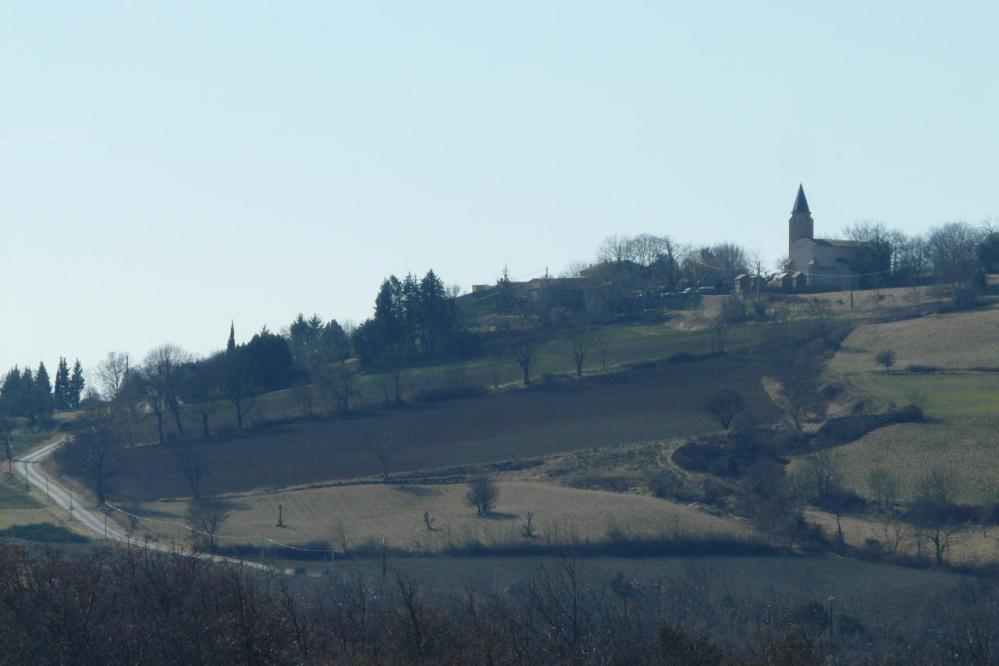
(166,169)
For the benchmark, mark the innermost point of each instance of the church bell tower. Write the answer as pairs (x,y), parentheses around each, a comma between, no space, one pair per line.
(801,224)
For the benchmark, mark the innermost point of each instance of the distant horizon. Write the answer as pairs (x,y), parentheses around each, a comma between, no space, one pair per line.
(167,169)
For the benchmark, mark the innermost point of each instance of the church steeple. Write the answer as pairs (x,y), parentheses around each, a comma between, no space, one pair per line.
(800,225)
(800,202)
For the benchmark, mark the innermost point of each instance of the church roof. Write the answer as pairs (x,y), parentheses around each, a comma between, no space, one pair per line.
(832,242)
(800,202)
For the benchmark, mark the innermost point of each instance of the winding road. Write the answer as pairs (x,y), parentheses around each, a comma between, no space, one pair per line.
(96,522)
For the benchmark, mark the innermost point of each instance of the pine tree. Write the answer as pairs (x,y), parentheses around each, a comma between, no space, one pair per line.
(231,344)
(42,393)
(61,389)
(76,384)
(10,392)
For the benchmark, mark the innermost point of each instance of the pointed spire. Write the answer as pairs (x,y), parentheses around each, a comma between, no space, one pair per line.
(232,337)
(800,202)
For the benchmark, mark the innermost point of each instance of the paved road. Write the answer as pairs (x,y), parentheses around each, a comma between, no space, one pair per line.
(97,523)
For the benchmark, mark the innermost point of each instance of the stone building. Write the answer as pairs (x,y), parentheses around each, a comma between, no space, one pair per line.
(825,263)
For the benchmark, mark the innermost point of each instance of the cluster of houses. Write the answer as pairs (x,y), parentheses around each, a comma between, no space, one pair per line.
(787,281)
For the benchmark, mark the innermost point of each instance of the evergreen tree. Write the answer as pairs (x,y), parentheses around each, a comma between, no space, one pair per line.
(388,319)
(42,393)
(10,392)
(76,384)
(231,344)
(411,310)
(60,391)
(270,361)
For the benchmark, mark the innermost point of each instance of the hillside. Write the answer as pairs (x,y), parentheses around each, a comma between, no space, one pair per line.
(945,365)
(660,402)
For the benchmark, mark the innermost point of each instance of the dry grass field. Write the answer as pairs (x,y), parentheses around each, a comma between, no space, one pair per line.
(871,302)
(349,516)
(910,450)
(957,341)
(971,546)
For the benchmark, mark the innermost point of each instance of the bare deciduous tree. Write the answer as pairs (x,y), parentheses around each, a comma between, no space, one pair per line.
(884,488)
(482,494)
(580,342)
(205,516)
(932,516)
(797,388)
(7,425)
(95,438)
(337,386)
(524,352)
(112,374)
(234,380)
(200,392)
(724,405)
(187,455)
(616,248)
(165,377)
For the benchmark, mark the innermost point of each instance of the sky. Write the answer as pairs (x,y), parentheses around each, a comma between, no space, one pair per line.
(166,168)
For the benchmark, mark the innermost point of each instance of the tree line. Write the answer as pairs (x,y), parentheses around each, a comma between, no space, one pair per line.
(34,396)
(956,252)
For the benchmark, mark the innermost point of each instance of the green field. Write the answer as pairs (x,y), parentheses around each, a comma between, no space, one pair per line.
(20,510)
(958,399)
(962,406)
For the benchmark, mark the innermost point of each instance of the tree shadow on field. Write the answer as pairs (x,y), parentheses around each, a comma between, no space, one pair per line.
(500,515)
(416,491)
(612,378)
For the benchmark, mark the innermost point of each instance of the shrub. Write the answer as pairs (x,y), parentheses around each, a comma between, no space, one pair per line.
(42,533)
(885,357)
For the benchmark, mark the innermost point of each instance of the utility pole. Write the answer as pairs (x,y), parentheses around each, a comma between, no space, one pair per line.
(384,562)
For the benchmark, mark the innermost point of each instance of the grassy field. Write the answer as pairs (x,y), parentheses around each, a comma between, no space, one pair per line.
(605,410)
(348,516)
(972,546)
(956,341)
(962,405)
(910,450)
(957,399)
(23,510)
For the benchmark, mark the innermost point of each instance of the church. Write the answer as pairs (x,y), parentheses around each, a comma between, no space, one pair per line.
(825,263)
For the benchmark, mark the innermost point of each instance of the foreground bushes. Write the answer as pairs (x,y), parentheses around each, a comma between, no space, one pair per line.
(103,606)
